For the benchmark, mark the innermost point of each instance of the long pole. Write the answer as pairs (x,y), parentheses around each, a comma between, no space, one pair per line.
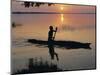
(55,33)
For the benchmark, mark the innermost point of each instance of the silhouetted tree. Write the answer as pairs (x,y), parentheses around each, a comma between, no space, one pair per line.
(49,4)
(27,4)
(35,4)
(32,4)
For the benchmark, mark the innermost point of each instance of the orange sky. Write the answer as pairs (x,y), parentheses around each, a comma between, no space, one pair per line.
(17,6)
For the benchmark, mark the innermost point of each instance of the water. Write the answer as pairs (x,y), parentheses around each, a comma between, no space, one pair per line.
(74,27)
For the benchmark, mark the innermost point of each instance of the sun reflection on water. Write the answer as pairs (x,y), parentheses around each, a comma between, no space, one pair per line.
(62,18)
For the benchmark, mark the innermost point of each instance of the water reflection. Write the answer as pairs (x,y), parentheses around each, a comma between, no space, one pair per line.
(53,53)
(62,18)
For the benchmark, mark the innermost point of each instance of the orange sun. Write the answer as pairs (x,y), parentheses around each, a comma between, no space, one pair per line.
(62,8)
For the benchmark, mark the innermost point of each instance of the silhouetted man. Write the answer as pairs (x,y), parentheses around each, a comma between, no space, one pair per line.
(51,37)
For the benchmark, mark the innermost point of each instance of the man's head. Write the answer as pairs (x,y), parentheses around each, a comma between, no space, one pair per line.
(51,27)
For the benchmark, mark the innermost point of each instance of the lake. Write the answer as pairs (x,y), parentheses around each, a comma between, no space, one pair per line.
(71,27)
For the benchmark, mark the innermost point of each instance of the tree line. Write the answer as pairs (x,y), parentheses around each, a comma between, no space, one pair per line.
(35,4)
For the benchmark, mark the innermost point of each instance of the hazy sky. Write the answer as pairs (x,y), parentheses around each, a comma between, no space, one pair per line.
(18,6)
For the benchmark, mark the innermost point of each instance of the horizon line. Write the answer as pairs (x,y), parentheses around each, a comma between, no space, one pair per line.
(47,13)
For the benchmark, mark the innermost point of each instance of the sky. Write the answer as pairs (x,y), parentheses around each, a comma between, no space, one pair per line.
(19,7)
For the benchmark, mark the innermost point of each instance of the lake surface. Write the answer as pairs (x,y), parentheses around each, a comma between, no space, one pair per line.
(71,27)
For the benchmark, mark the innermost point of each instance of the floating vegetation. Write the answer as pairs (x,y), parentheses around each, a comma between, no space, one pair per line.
(35,66)
(15,24)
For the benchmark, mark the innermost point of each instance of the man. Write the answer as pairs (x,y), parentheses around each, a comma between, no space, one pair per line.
(51,42)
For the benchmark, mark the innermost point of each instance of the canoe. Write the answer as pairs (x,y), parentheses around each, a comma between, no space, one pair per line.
(61,44)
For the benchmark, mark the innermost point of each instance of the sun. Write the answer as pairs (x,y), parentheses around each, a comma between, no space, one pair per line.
(62,8)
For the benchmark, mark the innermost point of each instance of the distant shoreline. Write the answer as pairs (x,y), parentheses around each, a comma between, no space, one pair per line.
(47,13)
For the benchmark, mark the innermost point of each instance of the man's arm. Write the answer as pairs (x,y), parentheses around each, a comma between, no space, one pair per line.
(55,33)
(55,29)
